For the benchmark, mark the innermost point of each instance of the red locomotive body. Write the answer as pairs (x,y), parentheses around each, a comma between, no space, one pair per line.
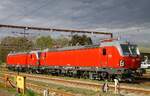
(86,57)
(110,59)
(82,57)
(33,59)
(23,60)
(96,56)
(17,59)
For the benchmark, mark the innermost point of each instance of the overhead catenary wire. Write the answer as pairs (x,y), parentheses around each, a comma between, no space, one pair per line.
(54,29)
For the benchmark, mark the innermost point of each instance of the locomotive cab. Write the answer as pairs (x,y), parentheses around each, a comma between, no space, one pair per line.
(130,56)
(123,57)
(130,60)
(121,54)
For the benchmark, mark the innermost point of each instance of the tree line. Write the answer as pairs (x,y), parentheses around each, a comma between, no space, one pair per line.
(17,44)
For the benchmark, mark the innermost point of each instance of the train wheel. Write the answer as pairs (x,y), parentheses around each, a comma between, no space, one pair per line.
(111,77)
(29,70)
(79,73)
(103,75)
(86,75)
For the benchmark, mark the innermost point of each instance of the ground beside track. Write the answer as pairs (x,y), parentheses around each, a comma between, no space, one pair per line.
(39,79)
(140,83)
(62,87)
(6,91)
(9,91)
(123,93)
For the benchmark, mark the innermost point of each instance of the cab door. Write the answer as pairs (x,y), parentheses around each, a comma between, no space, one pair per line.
(29,60)
(104,57)
(33,59)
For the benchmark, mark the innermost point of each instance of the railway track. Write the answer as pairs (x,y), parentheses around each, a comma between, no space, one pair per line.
(79,84)
(39,89)
(51,91)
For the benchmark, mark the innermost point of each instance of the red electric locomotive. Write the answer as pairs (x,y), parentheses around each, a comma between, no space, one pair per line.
(111,59)
(23,61)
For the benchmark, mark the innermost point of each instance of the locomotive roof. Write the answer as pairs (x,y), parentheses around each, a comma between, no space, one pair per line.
(114,43)
(35,51)
(102,44)
(72,48)
(14,53)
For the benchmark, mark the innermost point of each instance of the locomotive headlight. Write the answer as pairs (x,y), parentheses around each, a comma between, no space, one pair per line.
(122,63)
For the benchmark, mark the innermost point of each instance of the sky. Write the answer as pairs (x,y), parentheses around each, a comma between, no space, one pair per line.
(129,19)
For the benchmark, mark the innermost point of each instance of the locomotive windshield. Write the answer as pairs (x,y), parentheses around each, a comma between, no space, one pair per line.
(129,49)
(125,49)
(134,50)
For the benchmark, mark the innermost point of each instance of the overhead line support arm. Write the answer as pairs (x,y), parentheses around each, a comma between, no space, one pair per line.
(53,29)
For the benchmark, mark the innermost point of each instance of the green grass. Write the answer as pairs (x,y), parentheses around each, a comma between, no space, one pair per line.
(139,85)
(148,71)
(13,92)
(144,49)
(72,78)
(74,90)
(10,90)
(28,92)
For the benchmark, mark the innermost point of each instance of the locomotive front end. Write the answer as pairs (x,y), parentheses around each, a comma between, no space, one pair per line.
(130,56)
(123,59)
(130,61)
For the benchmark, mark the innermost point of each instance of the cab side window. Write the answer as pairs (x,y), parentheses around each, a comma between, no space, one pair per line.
(104,51)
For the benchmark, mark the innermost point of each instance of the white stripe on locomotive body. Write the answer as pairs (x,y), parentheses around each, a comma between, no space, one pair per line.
(36,53)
